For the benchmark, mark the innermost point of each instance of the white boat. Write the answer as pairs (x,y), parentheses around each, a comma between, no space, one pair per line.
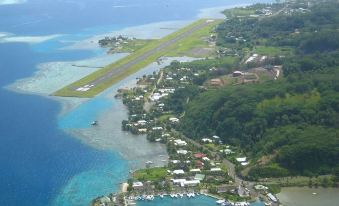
(181,195)
(161,196)
(220,202)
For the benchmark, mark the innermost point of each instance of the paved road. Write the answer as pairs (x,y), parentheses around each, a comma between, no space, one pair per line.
(138,59)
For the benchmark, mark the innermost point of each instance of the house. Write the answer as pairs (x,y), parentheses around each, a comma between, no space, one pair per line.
(244,163)
(237,73)
(175,161)
(195,170)
(137,185)
(178,172)
(180,182)
(192,183)
(142,130)
(205,159)
(142,122)
(184,182)
(173,120)
(206,140)
(216,169)
(228,151)
(199,155)
(184,152)
(199,177)
(180,142)
(216,137)
(241,159)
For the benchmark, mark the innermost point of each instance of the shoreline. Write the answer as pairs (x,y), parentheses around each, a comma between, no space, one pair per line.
(66,105)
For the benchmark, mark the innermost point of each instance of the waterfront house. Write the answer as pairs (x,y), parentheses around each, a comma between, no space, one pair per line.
(137,185)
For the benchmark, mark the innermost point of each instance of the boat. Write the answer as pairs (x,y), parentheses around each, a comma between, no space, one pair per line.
(220,202)
(181,195)
(161,196)
(94,123)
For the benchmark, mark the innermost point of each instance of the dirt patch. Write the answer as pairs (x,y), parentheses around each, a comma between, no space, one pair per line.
(201,52)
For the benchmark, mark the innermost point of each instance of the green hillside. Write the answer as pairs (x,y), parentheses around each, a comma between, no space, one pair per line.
(295,119)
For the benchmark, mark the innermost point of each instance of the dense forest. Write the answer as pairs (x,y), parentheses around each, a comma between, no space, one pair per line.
(293,120)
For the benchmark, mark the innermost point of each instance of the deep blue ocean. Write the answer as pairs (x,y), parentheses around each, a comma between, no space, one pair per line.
(38,159)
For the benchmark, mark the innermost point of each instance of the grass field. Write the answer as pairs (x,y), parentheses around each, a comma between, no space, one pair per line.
(186,43)
(274,51)
(239,12)
(130,46)
(197,41)
(151,174)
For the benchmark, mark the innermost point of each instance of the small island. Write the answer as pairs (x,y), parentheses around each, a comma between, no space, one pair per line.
(122,44)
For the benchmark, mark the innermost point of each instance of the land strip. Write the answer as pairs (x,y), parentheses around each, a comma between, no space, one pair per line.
(102,79)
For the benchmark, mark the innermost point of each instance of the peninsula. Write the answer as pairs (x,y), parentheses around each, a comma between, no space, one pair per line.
(102,79)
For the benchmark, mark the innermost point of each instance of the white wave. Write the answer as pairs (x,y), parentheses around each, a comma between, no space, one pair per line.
(125,6)
(11,38)
(7,2)
(216,12)
(51,76)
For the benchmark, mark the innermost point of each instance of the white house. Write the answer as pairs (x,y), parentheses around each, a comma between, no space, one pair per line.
(174,120)
(195,170)
(178,172)
(206,140)
(182,151)
(137,184)
(205,159)
(216,169)
(142,122)
(180,142)
(241,159)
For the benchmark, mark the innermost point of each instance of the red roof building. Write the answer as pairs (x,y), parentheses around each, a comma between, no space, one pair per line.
(199,155)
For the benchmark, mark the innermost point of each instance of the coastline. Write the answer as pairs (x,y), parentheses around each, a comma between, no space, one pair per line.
(36,85)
